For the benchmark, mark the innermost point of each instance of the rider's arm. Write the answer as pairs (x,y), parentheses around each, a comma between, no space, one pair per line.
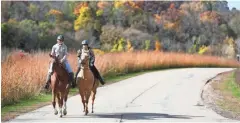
(53,51)
(79,56)
(79,53)
(92,56)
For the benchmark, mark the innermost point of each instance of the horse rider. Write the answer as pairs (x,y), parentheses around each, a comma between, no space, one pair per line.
(94,70)
(60,49)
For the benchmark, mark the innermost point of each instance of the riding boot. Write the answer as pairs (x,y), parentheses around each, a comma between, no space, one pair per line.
(75,78)
(96,74)
(101,79)
(48,80)
(71,80)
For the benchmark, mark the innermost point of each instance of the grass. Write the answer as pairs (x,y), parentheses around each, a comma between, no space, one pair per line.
(24,77)
(232,86)
(230,94)
(27,75)
(25,105)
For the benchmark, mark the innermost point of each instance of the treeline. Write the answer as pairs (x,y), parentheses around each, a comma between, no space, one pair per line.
(204,27)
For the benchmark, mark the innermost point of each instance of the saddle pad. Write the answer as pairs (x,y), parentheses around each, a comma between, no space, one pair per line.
(81,74)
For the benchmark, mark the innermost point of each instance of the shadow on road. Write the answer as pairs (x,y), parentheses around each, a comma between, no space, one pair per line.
(135,116)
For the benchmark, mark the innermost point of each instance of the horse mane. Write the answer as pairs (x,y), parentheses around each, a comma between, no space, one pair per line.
(62,68)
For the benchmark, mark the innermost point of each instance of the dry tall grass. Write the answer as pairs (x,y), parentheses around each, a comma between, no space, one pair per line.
(25,77)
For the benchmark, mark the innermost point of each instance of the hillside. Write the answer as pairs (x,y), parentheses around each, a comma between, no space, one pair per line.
(204,27)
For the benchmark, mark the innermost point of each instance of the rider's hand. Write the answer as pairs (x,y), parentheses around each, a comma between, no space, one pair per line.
(91,64)
(62,60)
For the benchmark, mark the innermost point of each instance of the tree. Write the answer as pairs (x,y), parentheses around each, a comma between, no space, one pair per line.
(57,14)
(33,10)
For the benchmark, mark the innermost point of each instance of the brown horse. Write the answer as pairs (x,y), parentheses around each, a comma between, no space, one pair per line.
(60,86)
(87,84)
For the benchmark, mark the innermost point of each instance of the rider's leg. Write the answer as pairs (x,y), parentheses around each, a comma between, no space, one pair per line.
(70,72)
(48,80)
(97,74)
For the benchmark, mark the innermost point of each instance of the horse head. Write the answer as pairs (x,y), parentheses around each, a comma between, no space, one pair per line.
(56,62)
(85,58)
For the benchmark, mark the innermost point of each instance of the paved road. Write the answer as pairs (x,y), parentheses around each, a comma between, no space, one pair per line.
(169,95)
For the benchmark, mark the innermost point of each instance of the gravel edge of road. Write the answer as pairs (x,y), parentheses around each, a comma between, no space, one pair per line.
(209,96)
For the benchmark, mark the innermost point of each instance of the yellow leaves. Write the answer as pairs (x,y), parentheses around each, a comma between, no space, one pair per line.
(229,41)
(157,46)
(99,12)
(84,11)
(12,21)
(118,4)
(203,49)
(84,16)
(119,45)
(229,49)
(80,22)
(129,46)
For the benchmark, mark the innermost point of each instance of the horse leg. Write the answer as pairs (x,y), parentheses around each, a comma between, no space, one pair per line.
(61,104)
(65,103)
(82,97)
(88,93)
(54,101)
(93,98)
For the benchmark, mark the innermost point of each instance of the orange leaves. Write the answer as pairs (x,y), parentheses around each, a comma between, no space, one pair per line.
(157,18)
(79,6)
(210,16)
(172,25)
(134,4)
(58,14)
(102,4)
(55,12)
(157,46)
(172,6)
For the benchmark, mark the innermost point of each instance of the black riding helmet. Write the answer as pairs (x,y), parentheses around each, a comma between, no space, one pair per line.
(60,37)
(85,42)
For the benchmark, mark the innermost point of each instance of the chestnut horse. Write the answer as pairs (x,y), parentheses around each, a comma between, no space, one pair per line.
(87,84)
(59,85)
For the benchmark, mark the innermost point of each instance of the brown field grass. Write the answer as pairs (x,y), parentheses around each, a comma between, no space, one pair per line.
(25,77)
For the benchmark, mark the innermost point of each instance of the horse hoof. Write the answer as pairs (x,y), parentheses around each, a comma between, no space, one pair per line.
(86,112)
(61,116)
(92,111)
(65,112)
(55,112)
